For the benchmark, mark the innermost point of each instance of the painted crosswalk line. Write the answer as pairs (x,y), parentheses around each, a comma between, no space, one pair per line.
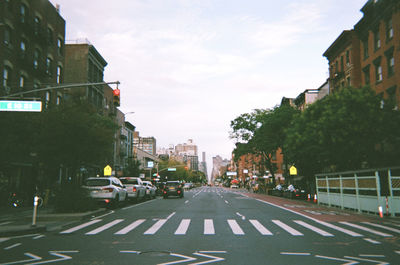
(104,227)
(76,228)
(260,228)
(130,227)
(313,228)
(152,230)
(235,227)
(383,227)
(209,227)
(183,227)
(287,228)
(367,229)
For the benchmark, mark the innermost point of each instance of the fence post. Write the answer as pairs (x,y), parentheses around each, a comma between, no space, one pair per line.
(391,193)
(357,193)
(341,192)
(327,190)
(378,189)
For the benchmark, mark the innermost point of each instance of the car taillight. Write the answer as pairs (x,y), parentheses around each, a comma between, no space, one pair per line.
(108,189)
(134,189)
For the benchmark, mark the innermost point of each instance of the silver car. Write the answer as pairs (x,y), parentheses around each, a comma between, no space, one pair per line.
(135,188)
(150,189)
(109,190)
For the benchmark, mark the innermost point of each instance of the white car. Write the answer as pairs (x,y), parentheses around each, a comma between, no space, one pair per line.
(109,190)
(135,188)
(150,189)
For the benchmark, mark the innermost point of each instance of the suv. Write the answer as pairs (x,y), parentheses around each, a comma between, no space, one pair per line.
(173,188)
(106,189)
(135,188)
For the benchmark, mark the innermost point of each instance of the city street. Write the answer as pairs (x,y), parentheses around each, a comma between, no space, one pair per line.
(213,225)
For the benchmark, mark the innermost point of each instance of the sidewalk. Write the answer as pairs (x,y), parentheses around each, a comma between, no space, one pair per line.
(18,221)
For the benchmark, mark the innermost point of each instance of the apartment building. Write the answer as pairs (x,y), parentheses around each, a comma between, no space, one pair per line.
(32,50)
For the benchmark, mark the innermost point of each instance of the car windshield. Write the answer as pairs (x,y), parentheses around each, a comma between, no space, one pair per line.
(97,182)
(173,183)
(129,181)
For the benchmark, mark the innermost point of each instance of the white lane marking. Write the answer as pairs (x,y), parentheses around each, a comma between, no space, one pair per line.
(384,227)
(5,223)
(183,227)
(138,204)
(13,246)
(101,216)
(350,262)
(264,231)
(213,258)
(226,202)
(296,253)
(172,214)
(343,230)
(209,227)
(371,256)
(130,227)
(186,259)
(32,256)
(313,228)
(369,260)
(366,229)
(3,239)
(243,217)
(186,201)
(104,227)
(235,227)
(37,237)
(130,251)
(397,251)
(76,228)
(57,254)
(372,241)
(152,230)
(290,230)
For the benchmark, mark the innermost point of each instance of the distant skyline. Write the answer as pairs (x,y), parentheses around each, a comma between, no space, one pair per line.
(189,67)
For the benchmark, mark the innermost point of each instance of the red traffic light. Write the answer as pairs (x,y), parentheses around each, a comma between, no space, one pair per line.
(116,92)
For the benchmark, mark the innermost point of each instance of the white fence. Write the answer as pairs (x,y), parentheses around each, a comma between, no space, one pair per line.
(364,190)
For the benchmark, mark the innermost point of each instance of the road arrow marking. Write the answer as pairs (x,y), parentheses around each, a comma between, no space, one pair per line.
(32,256)
(213,258)
(378,262)
(57,254)
(350,262)
(186,259)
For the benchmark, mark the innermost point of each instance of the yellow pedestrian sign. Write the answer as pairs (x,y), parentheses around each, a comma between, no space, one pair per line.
(293,170)
(107,171)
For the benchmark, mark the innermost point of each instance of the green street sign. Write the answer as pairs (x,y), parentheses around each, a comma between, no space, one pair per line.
(19,105)
(171,169)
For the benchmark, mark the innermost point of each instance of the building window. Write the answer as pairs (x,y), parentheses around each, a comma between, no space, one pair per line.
(21,81)
(390,61)
(49,36)
(6,77)
(49,63)
(348,81)
(7,36)
(58,100)
(365,49)
(59,46)
(336,67)
(341,64)
(367,76)
(378,72)
(59,73)
(47,99)
(377,40)
(36,56)
(389,30)
(23,12)
(347,57)
(23,47)
(36,25)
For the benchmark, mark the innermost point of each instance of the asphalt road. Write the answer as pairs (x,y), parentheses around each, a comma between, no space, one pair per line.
(209,225)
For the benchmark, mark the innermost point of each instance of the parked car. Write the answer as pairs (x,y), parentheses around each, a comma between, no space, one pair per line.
(174,188)
(188,186)
(150,189)
(108,190)
(295,192)
(278,190)
(135,188)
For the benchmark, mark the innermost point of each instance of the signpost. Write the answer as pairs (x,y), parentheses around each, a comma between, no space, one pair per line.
(107,171)
(20,105)
(293,170)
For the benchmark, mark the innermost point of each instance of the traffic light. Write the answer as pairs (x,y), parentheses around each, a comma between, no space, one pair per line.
(116,94)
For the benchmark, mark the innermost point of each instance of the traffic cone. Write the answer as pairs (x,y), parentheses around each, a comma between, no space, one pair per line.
(380,212)
(315,198)
(308,197)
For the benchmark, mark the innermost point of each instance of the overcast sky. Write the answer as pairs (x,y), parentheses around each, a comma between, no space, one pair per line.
(189,67)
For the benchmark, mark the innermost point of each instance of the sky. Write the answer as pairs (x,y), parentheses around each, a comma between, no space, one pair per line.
(189,67)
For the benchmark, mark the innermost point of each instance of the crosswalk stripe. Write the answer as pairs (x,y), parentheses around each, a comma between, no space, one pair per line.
(104,227)
(383,226)
(152,230)
(183,227)
(130,227)
(290,230)
(209,227)
(235,227)
(76,228)
(338,228)
(260,227)
(366,229)
(313,228)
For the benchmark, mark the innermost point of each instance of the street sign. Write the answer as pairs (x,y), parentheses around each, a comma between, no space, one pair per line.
(171,169)
(150,164)
(293,170)
(231,173)
(20,105)
(107,171)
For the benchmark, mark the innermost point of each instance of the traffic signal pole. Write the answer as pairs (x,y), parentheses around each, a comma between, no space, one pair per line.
(58,87)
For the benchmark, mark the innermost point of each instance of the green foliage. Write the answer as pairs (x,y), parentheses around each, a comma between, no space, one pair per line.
(72,198)
(133,168)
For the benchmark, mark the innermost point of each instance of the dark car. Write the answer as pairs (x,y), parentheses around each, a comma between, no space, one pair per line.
(173,188)
(279,190)
(295,192)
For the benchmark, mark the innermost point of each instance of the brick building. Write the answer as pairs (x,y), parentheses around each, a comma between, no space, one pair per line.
(32,37)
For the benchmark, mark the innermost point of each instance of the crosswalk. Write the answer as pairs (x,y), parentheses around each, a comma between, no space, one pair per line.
(298,228)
